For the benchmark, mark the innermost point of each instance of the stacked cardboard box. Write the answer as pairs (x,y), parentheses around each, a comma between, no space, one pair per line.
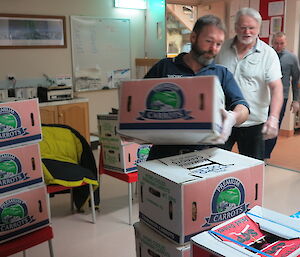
(182,195)
(119,155)
(23,201)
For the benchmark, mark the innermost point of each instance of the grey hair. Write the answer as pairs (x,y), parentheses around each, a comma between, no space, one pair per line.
(248,12)
(207,20)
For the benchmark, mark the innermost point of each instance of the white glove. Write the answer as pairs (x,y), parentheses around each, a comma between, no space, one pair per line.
(270,128)
(229,120)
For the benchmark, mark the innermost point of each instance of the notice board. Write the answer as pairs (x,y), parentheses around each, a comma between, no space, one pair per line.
(100,52)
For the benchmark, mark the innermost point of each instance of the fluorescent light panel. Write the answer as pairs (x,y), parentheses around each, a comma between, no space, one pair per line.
(131,4)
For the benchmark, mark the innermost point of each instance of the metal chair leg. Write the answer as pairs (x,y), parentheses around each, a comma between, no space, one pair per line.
(50,248)
(130,202)
(24,253)
(72,200)
(92,203)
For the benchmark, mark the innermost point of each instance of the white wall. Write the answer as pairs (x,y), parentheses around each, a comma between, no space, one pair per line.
(32,63)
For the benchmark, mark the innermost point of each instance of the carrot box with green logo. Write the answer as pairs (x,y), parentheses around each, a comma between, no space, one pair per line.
(19,123)
(124,157)
(182,195)
(172,111)
(258,232)
(20,167)
(149,243)
(107,127)
(23,212)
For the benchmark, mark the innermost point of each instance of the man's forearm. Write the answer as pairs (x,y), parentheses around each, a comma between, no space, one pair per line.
(241,113)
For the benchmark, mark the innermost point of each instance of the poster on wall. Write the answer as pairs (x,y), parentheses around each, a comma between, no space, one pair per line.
(276,23)
(276,8)
(265,27)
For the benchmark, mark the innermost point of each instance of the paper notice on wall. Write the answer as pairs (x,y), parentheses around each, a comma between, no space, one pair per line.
(276,8)
(265,28)
(276,23)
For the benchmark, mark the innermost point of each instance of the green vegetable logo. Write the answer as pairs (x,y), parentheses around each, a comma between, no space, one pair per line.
(142,153)
(10,124)
(228,199)
(165,102)
(8,169)
(227,202)
(14,214)
(11,171)
(7,122)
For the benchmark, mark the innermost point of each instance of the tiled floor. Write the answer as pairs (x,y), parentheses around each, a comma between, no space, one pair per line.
(111,236)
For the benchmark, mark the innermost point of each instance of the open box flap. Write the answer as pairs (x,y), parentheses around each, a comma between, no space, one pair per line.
(202,164)
(275,223)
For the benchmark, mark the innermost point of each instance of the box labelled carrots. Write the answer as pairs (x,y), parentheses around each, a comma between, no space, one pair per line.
(23,212)
(182,195)
(19,123)
(107,128)
(172,111)
(123,157)
(20,167)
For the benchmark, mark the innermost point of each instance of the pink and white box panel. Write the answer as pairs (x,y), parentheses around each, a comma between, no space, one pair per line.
(20,167)
(23,212)
(182,195)
(171,110)
(19,123)
(124,158)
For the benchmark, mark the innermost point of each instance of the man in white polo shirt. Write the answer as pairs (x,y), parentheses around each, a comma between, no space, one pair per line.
(256,68)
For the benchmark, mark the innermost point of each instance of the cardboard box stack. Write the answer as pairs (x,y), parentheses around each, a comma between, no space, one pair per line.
(182,195)
(23,197)
(119,155)
(258,232)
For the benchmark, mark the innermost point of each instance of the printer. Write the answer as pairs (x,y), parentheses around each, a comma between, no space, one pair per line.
(55,93)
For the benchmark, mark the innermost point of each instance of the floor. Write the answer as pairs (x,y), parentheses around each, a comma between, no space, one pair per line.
(111,236)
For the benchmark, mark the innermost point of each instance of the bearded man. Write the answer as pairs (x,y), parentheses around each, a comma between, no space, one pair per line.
(206,39)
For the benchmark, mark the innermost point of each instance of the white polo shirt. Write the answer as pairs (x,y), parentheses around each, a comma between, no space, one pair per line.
(253,73)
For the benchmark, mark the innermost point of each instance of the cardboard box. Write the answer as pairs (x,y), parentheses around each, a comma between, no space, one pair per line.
(124,157)
(20,167)
(150,244)
(259,232)
(107,127)
(172,111)
(19,123)
(23,212)
(180,196)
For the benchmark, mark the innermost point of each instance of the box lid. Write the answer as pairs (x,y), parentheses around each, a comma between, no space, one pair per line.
(197,165)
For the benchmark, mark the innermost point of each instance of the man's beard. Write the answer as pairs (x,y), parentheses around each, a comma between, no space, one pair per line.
(198,55)
(247,41)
